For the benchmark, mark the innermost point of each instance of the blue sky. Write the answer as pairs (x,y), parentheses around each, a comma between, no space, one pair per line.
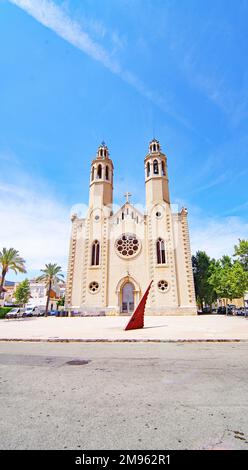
(76,72)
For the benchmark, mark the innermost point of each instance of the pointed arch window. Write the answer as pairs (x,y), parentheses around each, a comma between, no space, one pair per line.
(163,169)
(99,172)
(107,173)
(92,173)
(160,247)
(155,167)
(95,255)
(148,168)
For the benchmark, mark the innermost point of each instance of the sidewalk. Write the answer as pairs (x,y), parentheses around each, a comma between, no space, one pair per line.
(157,328)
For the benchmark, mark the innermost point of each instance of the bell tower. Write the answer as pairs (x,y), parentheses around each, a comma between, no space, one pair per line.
(156,175)
(101,179)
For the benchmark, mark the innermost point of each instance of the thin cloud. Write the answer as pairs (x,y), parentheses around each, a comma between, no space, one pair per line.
(216,236)
(35,223)
(55,18)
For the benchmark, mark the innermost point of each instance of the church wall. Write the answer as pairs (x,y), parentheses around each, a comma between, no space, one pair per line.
(97,230)
(123,269)
(185,281)
(100,193)
(78,234)
(160,226)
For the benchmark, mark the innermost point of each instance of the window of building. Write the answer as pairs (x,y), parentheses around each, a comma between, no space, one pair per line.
(163,169)
(99,172)
(95,256)
(160,246)
(163,285)
(128,245)
(155,167)
(94,287)
(148,169)
(107,173)
(92,173)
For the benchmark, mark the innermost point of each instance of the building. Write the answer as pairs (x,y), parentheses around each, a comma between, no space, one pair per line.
(38,294)
(114,256)
(7,294)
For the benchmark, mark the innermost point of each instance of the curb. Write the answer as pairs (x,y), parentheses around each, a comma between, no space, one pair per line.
(81,340)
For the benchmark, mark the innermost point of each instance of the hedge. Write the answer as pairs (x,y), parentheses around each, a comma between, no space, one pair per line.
(4,310)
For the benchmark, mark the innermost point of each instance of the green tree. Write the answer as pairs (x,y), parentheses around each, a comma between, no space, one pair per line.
(229,279)
(61,302)
(22,292)
(51,274)
(202,268)
(10,260)
(219,278)
(241,252)
(238,279)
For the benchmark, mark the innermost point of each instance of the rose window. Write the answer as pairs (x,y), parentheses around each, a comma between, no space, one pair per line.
(127,245)
(94,287)
(163,286)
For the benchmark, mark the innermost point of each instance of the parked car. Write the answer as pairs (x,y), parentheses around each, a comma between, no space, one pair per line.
(31,311)
(41,312)
(62,313)
(204,311)
(15,313)
(222,310)
(52,312)
(242,311)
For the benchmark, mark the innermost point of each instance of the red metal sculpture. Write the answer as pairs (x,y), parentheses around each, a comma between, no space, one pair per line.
(137,319)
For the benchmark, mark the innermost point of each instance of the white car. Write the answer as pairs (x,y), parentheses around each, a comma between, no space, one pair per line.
(15,313)
(31,311)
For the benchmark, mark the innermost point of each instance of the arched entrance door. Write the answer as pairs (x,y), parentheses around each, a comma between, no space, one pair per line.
(128,298)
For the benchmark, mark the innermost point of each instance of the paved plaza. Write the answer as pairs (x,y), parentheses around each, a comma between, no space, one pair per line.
(157,328)
(123,396)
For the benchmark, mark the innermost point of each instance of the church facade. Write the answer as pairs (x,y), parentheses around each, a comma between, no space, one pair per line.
(113,256)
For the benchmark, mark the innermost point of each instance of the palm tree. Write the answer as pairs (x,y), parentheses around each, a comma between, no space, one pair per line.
(10,259)
(51,274)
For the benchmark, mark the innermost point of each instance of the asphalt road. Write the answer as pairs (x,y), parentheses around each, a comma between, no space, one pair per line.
(123,396)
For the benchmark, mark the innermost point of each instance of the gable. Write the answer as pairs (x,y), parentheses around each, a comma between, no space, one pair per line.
(127,212)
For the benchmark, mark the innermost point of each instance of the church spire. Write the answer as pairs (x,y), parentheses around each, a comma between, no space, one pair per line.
(154,146)
(156,175)
(102,151)
(101,178)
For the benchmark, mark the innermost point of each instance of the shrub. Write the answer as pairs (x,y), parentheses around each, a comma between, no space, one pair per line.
(4,310)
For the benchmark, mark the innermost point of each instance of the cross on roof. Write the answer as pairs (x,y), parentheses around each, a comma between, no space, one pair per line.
(127,195)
